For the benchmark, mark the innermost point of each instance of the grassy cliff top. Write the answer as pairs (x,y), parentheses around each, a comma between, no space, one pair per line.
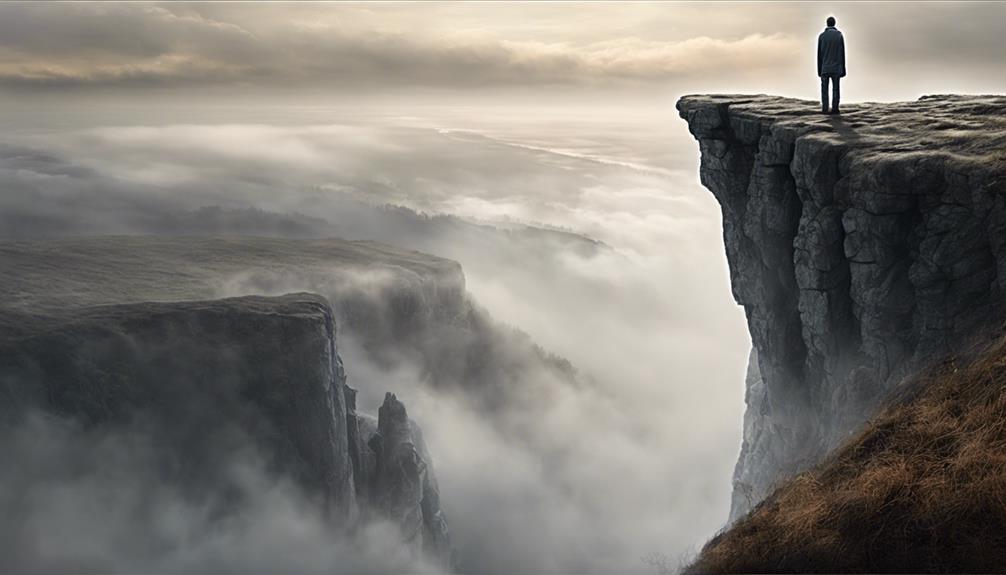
(921,488)
(47,274)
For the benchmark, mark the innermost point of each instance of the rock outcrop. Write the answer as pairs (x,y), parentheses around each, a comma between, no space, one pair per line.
(204,380)
(861,247)
(399,479)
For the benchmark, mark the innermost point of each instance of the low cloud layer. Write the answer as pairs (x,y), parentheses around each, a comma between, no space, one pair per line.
(584,479)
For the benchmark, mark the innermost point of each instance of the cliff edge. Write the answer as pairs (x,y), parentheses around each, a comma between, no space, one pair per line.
(207,387)
(862,247)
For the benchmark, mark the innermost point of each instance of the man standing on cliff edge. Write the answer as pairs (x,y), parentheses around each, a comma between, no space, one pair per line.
(830,64)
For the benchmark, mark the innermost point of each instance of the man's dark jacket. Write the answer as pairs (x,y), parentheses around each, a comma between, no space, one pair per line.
(831,53)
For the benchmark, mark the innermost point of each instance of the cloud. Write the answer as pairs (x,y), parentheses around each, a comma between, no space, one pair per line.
(335,51)
(147,45)
(586,478)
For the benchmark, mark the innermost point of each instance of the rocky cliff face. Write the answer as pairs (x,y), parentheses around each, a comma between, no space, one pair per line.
(860,246)
(398,478)
(206,379)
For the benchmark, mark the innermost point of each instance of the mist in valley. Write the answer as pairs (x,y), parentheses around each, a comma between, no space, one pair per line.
(594,241)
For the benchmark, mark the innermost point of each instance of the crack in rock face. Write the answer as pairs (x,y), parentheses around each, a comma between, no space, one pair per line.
(861,246)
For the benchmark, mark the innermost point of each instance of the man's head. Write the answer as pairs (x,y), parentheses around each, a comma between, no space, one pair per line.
(831,20)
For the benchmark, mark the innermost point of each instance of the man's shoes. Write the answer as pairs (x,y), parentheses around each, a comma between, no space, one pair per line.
(834,112)
(825,111)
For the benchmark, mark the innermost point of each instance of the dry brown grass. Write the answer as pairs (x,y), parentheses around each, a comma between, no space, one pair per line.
(922,488)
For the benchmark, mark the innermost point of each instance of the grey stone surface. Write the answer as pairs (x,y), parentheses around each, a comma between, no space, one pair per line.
(203,377)
(401,483)
(861,247)
(206,379)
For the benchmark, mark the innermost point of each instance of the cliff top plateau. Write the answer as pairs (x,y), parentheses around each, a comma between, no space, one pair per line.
(41,275)
(953,127)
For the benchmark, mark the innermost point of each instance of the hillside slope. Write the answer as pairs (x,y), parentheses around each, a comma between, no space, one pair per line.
(922,488)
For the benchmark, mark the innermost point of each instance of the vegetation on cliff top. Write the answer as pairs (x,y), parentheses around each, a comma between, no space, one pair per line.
(921,488)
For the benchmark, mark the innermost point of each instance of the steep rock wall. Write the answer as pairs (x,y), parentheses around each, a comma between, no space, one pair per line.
(252,371)
(860,246)
(399,479)
(204,380)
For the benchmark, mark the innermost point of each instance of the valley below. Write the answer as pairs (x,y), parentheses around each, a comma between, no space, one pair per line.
(498,347)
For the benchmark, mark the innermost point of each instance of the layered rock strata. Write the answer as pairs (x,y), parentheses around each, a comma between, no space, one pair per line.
(861,246)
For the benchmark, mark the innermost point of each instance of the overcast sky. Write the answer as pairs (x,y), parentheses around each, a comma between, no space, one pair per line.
(896,50)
